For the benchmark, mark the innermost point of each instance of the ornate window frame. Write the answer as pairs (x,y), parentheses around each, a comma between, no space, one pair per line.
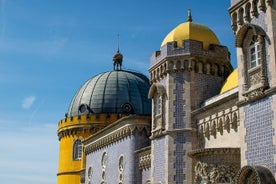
(103,164)
(90,173)
(77,149)
(121,167)
(157,93)
(252,38)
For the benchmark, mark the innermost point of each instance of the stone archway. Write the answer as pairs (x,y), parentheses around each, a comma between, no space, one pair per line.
(254,174)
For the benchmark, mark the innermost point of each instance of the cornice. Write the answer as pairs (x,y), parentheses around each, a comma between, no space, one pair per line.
(161,132)
(117,131)
(73,130)
(213,151)
(69,172)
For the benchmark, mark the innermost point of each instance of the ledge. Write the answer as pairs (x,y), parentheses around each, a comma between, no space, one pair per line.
(213,151)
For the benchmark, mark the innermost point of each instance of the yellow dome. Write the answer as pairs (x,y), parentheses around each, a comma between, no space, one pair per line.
(231,82)
(193,31)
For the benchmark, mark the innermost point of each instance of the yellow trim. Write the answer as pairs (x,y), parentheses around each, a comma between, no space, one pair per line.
(231,82)
(100,119)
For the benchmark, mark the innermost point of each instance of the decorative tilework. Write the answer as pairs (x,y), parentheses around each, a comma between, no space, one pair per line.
(179,154)
(259,134)
(159,160)
(125,147)
(205,86)
(179,102)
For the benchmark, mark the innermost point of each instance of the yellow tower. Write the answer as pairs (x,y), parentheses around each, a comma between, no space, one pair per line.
(71,132)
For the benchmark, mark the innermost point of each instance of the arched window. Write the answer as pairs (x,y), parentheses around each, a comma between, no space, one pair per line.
(89,173)
(121,169)
(77,150)
(254,58)
(252,41)
(103,163)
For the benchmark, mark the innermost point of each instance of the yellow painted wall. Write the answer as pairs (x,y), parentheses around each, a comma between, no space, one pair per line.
(69,179)
(69,169)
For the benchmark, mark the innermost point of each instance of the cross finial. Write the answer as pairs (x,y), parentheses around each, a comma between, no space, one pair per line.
(118,43)
(118,57)
(189,15)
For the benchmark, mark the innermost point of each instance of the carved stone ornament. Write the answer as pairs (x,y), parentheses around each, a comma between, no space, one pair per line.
(214,129)
(220,126)
(254,94)
(255,174)
(255,78)
(235,121)
(212,173)
(227,123)
(144,157)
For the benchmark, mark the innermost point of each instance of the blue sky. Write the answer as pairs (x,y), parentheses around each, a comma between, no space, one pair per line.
(48,49)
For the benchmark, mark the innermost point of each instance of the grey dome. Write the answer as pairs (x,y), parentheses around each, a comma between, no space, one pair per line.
(116,91)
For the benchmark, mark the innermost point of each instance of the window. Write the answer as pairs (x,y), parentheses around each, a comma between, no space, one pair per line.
(103,163)
(121,169)
(252,41)
(77,150)
(158,105)
(104,160)
(121,163)
(89,173)
(254,53)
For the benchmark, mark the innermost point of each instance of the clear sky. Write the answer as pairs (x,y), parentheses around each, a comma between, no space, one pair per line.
(49,48)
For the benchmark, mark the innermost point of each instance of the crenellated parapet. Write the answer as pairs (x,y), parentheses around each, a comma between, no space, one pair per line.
(244,11)
(191,57)
(85,123)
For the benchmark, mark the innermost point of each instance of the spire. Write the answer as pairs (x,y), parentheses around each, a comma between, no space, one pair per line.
(118,43)
(118,57)
(189,15)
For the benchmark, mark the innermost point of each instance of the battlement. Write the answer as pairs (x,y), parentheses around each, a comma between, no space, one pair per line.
(216,53)
(86,123)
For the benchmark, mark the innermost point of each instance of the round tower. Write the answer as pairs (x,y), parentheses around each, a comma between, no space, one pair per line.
(100,101)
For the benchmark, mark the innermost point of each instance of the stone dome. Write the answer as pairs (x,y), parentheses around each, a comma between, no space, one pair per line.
(117,91)
(193,31)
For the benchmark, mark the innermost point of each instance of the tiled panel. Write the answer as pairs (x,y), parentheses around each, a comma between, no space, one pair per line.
(159,160)
(179,154)
(179,102)
(259,134)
